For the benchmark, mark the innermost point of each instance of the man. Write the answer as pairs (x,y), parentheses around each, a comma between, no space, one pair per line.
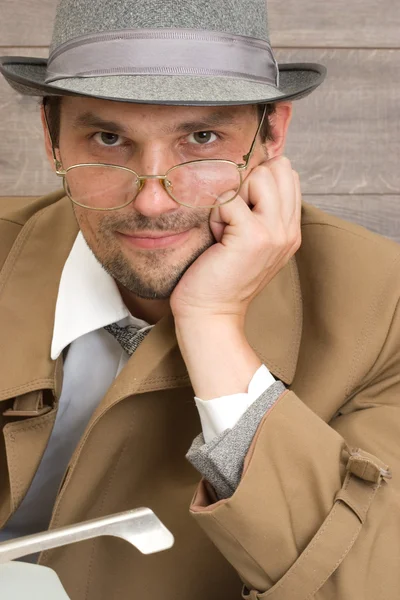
(173,244)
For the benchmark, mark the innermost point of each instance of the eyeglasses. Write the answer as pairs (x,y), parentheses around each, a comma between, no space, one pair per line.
(194,184)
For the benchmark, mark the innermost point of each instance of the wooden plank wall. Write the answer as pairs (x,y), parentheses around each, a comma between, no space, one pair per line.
(344,139)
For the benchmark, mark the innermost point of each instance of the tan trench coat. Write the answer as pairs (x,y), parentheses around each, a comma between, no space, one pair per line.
(327,326)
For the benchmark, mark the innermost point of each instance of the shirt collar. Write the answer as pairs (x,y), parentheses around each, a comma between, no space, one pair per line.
(88,299)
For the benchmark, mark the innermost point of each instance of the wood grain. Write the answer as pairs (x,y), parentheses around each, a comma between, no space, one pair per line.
(341,23)
(344,138)
(26,22)
(23,166)
(293,23)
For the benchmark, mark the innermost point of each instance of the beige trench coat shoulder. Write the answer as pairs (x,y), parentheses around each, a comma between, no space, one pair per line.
(327,326)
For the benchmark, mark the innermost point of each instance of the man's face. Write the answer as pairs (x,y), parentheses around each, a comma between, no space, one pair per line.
(148,245)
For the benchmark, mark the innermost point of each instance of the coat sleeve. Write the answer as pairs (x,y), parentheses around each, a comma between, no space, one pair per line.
(316,512)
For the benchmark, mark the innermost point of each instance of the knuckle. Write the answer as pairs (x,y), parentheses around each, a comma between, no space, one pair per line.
(280,240)
(281,161)
(285,161)
(260,172)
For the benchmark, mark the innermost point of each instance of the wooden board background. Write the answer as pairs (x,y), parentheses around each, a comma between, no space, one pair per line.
(344,139)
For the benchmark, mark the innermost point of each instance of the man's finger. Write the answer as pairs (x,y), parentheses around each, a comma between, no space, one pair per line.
(232,214)
(282,171)
(261,193)
(260,175)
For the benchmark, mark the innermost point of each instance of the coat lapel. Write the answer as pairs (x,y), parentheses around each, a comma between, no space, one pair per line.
(274,323)
(28,291)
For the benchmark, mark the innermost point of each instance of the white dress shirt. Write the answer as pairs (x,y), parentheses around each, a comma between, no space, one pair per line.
(88,300)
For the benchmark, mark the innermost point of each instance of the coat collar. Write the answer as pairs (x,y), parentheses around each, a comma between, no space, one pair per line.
(28,291)
(29,285)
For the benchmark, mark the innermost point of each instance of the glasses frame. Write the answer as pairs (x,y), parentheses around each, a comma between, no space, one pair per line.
(163,179)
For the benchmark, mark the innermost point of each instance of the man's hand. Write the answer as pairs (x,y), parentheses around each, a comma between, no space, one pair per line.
(256,234)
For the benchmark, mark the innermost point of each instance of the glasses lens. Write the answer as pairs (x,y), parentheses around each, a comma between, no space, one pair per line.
(101,187)
(202,184)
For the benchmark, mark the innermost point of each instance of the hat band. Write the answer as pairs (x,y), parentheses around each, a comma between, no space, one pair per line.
(184,52)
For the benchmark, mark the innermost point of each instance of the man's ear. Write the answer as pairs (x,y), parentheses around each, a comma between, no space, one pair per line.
(47,140)
(279,122)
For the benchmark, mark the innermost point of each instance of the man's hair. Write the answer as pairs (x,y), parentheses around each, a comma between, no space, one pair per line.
(53,110)
(52,106)
(266,133)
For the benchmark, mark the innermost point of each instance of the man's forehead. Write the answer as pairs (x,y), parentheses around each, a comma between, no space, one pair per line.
(86,112)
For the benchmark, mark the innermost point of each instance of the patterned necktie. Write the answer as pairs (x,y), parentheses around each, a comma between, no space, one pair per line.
(129,337)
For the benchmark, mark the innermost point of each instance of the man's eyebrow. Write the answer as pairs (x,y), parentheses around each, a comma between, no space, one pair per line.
(214,119)
(91,120)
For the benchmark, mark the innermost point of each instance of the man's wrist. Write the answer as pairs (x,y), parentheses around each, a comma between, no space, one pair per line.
(202,329)
(218,357)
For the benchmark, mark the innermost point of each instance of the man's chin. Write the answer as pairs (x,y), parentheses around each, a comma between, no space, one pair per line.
(151,288)
(147,273)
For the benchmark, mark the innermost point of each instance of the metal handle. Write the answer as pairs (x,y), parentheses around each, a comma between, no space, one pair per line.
(139,527)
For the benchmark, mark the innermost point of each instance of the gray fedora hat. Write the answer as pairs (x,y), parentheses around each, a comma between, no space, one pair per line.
(186,52)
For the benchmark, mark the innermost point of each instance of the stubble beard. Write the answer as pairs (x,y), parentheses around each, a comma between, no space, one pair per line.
(155,275)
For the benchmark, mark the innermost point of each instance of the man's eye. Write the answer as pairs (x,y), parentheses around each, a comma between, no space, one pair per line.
(107,139)
(202,137)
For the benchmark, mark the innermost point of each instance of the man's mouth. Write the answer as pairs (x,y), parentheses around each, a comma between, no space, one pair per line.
(154,240)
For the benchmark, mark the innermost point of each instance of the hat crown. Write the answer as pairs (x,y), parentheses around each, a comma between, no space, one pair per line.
(178,52)
(81,17)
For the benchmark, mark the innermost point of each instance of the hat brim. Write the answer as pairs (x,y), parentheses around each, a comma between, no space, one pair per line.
(296,80)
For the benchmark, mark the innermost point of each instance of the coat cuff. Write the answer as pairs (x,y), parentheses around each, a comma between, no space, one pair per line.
(302,501)
(223,413)
(221,460)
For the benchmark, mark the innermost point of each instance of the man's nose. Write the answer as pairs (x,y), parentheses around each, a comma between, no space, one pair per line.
(153,199)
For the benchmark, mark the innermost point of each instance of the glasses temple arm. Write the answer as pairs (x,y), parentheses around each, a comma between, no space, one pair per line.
(248,156)
(57,163)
